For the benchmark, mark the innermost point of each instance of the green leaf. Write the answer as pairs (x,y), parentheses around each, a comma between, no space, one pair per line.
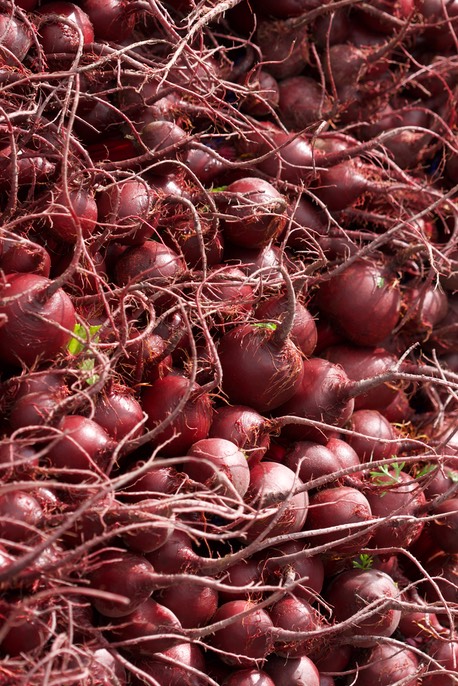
(218,189)
(425,470)
(453,476)
(380,282)
(387,475)
(75,346)
(270,326)
(364,561)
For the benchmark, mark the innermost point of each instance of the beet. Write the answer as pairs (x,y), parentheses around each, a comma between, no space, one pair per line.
(261,368)
(363,301)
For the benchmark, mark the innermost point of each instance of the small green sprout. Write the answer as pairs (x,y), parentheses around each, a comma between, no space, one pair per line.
(364,561)
(76,347)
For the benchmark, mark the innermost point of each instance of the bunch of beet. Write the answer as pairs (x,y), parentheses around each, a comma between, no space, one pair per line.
(228,343)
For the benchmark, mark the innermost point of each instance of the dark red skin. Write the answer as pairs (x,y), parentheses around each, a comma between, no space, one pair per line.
(258,371)
(16,459)
(284,560)
(59,37)
(20,516)
(125,574)
(363,302)
(119,413)
(112,20)
(292,163)
(284,48)
(193,421)
(247,638)
(303,332)
(226,290)
(245,427)
(150,618)
(194,604)
(26,337)
(271,488)
(152,262)
(256,213)
(219,464)
(446,654)
(387,664)
(25,257)
(379,436)
(402,495)
(173,668)
(82,452)
(294,614)
(320,397)
(176,555)
(335,507)
(77,222)
(123,207)
(311,459)
(243,573)
(248,677)
(292,672)
(30,627)
(351,591)
(345,454)
(153,522)
(15,39)
(33,409)
(303,102)
(445,528)
(362,363)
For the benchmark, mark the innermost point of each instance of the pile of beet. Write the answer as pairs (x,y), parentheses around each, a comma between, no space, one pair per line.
(229,343)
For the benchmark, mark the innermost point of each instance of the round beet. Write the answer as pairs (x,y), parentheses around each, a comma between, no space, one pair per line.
(320,397)
(292,561)
(271,492)
(339,507)
(368,592)
(261,368)
(178,412)
(299,671)
(194,604)
(74,218)
(293,614)
(312,460)
(254,213)
(445,527)
(123,209)
(246,639)
(125,574)
(363,301)
(243,426)
(20,516)
(303,331)
(378,440)
(363,363)
(113,20)
(142,629)
(218,463)
(66,30)
(82,450)
(119,413)
(38,319)
(394,493)
(386,665)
